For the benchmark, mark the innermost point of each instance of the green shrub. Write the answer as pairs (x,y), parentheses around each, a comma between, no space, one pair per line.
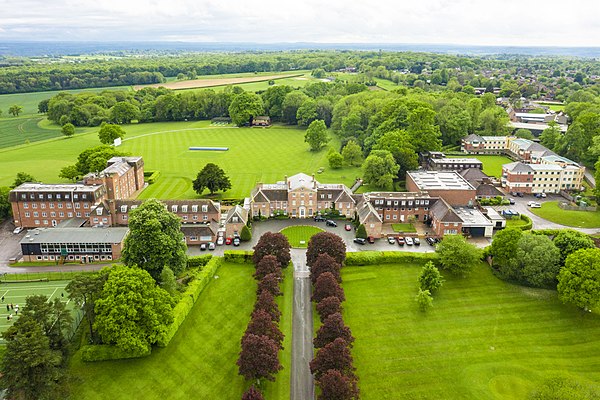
(528,225)
(238,256)
(189,298)
(198,261)
(361,232)
(388,257)
(104,352)
(245,234)
(151,176)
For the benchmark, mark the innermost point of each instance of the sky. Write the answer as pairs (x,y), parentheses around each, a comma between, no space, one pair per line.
(473,22)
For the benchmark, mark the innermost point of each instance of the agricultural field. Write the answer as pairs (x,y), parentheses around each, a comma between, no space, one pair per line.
(201,358)
(492,165)
(483,338)
(579,219)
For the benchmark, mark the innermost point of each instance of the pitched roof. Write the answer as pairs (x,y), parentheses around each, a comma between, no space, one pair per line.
(472,137)
(473,174)
(366,210)
(518,167)
(239,212)
(301,180)
(486,189)
(443,212)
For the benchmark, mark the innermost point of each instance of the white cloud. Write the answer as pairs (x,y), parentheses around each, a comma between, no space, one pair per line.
(491,22)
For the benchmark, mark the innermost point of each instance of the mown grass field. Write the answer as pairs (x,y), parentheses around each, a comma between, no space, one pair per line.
(300,233)
(483,339)
(199,363)
(579,219)
(492,165)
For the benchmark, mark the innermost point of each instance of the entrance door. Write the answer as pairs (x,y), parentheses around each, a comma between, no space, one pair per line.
(302,212)
(53,222)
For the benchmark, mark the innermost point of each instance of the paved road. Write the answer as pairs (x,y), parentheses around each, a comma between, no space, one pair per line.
(302,385)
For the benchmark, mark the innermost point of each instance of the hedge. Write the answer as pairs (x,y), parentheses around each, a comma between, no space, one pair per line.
(528,225)
(198,261)
(238,256)
(105,352)
(152,177)
(388,257)
(189,298)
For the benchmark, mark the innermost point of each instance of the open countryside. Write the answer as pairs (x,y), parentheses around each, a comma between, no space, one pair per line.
(212,81)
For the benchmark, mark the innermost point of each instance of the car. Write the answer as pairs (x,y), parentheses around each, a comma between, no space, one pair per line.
(330,222)
(409,241)
(400,241)
(348,227)
(236,241)
(391,240)
(519,194)
(360,240)
(220,241)
(430,241)
(543,195)
(538,195)
(512,212)
(318,218)
(18,230)
(417,241)
(371,239)
(203,247)
(228,240)
(536,205)
(211,246)
(511,201)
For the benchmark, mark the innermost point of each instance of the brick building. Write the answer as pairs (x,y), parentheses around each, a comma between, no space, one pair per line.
(450,185)
(122,177)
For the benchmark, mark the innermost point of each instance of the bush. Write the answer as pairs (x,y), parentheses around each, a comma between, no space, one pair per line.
(361,232)
(389,257)
(189,298)
(104,352)
(528,225)
(245,234)
(238,256)
(198,261)
(151,176)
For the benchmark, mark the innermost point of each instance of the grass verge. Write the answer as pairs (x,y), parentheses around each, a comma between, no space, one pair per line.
(579,219)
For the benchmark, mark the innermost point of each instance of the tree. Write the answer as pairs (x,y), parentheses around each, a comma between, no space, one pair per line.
(268,264)
(332,328)
(569,241)
(316,135)
(307,113)
(380,169)
(52,316)
(328,243)
(43,106)
(579,279)
(325,263)
(261,324)
(85,289)
(493,122)
(23,177)
(538,260)
(270,283)
(258,358)
(15,110)
(70,172)
(273,99)
(456,255)
(327,285)
(244,107)
(597,177)
(398,143)
(430,279)
(504,247)
(524,134)
(5,206)
(124,112)
(213,178)
(361,231)
(291,103)
(168,281)
(275,244)
(335,355)
(563,386)
(336,386)
(336,160)
(327,306)
(252,394)
(454,122)
(94,159)
(109,132)
(424,133)
(352,154)
(68,130)
(245,234)
(154,240)
(424,300)
(30,369)
(132,312)
(266,302)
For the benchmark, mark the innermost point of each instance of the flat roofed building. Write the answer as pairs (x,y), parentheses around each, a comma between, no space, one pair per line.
(450,185)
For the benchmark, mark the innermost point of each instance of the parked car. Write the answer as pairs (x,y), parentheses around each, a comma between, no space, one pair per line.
(519,194)
(371,239)
(391,240)
(408,240)
(348,227)
(430,241)
(538,195)
(544,195)
(536,205)
(511,201)
(360,240)
(400,241)
(330,222)
(236,241)
(211,246)
(228,240)
(319,218)
(18,230)
(417,241)
(220,241)
(203,247)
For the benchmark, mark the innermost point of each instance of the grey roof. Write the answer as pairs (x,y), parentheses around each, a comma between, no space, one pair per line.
(75,235)
(439,180)
(199,229)
(473,174)
(486,189)
(365,210)
(72,223)
(43,187)
(443,212)
(471,217)
(237,211)
(472,137)
(274,194)
(302,180)
(119,168)
(518,167)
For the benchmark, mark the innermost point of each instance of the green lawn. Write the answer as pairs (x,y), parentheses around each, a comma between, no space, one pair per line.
(483,339)
(579,219)
(403,228)
(300,233)
(199,363)
(515,222)
(492,165)
(24,130)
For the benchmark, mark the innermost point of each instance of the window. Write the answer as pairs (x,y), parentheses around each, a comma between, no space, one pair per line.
(25,205)
(78,214)
(194,208)
(61,214)
(51,205)
(123,208)
(195,217)
(43,205)
(37,222)
(174,208)
(77,205)
(184,208)
(204,217)
(204,207)
(26,214)
(53,214)
(36,214)
(70,215)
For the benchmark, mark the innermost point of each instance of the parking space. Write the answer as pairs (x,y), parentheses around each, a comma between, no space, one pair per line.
(9,243)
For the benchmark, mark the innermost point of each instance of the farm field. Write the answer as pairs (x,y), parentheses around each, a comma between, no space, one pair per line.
(579,219)
(201,357)
(492,165)
(220,80)
(483,338)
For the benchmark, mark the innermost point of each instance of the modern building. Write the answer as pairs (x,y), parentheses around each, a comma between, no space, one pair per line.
(475,144)
(531,178)
(73,244)
(437,161)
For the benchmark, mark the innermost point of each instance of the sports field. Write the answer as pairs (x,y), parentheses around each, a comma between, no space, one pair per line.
(16,293)
(199,363)
(24,130)
(483,338)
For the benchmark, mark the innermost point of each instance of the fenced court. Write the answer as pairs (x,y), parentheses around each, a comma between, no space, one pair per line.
(15,293)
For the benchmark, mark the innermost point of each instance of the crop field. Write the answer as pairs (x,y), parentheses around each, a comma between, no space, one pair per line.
(200,359)
(212,80)
(483,338)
